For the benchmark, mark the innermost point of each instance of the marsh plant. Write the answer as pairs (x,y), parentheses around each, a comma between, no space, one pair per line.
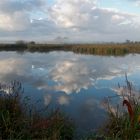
(21,121)
(124,119)
(17,121)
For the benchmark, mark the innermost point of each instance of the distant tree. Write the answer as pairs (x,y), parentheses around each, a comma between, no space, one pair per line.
(32,42)
(20,42)
(127,41)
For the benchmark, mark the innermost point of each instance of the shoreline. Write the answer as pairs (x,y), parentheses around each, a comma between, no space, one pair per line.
(118,49)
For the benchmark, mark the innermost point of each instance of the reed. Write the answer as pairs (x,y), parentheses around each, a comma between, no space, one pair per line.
(124,123)
(17,121)
(123,118)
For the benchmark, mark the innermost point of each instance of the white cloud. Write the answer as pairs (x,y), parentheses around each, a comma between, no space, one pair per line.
(64,100)
(47,99)
(71,77)
(71,12)
(124,92)
(138,3)
(117,18)
(86,19)
(85,14)
(14,69)
(16,22)
(11,66)
(76,20)
(65,72)
(15,14)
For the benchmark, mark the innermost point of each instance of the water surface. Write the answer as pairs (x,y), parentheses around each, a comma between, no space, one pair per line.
(74,83)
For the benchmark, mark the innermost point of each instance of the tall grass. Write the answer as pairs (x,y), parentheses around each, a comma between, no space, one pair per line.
(123,119)
(124,122)
(19,122)
(107,49)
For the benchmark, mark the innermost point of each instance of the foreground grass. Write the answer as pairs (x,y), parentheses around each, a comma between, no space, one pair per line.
(124,119)
(19,122)
(121,127)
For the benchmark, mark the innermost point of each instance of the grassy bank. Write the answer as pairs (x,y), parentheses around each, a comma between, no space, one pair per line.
(94,49)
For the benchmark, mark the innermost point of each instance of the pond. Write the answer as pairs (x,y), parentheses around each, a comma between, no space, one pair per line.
(74,83)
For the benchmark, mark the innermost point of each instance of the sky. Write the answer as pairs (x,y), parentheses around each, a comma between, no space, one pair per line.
(72,21)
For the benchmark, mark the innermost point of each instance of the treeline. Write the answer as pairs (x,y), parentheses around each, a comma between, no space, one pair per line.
(48,47)
(34,47)
(117,49)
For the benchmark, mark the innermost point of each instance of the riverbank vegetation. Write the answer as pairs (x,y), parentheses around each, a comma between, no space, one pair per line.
(107,49)
(116,49)
(19,120)
(123,118)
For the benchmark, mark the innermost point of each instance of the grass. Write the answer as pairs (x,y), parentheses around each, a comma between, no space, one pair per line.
(107,49)
(124,119)
(19,122)
(126,124)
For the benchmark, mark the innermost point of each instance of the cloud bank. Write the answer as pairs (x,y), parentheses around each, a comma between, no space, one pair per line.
(76,20)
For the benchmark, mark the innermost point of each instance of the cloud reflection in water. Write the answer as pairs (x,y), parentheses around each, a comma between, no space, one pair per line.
(65,72)
(72,76)
(59,75)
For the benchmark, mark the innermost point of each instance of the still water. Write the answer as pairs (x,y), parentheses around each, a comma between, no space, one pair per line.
(74,83)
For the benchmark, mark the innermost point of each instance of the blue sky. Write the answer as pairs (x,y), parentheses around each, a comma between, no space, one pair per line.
(122,5)
(70,20)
